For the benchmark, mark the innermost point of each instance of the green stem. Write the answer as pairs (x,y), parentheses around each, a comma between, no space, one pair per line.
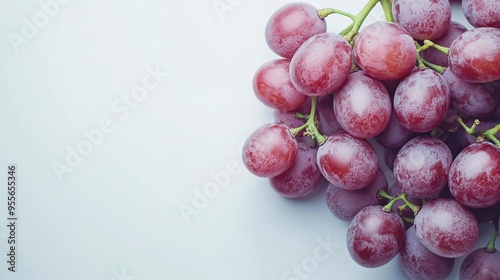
(311,125)
(442,49)
(387,7)
(323,13)
(490,247)
(422,63)
(346,30)
(412,206)
(384,194)
(490,134)
(469,130)
(388,207)
(359,19)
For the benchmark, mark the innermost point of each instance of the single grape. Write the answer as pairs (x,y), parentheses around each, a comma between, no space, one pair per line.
(419,263)
(446,228)
(422,165)
(422,100)
(470,98)
(423,19)
(481,264)
(385,51)
(395,135)
(328,123)
(321,64)
(345,204)
(433,55)
(362,105)
(272,86)
(474,55)
(270,150)
(292,25)
(482,13)
(374,237)
(302,177)
(347,162)
(475,175)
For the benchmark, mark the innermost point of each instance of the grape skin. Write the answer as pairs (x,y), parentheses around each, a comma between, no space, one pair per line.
(419,263)
(347,162)
(422,165)
(481,264)
(470,99)
(270,150)
(446,228)
(272,86)
(395,135)
(385,51)
(423,19)
(328,123)
(482,13)
(474,56)
(321,64)
(362,105)
(345,204)
(475,175)
(292,25)
(374,237)
(422,100)
(302,177)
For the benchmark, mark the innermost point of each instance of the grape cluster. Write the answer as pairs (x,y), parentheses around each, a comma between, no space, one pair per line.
(419,88)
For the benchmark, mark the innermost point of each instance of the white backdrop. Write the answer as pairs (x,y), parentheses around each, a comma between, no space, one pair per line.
(125,120)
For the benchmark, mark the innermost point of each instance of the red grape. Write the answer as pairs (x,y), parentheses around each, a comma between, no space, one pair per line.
(321,64)
(272,86)
(421,100)
(475,55)
(345,204)
(362,105)
(374,237)
(292,25)
(302,177)
(482,13)
(423,19)
(270,150)
(474,177)
(347,162)
(328,123)
(421,166)
(470,99)
(446,228)
(385,51)
(481,264)
(419,263)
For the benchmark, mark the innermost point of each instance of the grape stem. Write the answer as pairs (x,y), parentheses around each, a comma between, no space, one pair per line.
(490,247)
(404,197)
(311,125)
(387,7)
(359,19)
(488,134)
(422,63)
(323,13)
(429,43)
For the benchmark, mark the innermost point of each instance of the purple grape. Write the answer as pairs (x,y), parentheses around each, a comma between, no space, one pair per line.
(433,55)
(302,177)
(446,228)
(481,264)
(395,135)
(347,162)
(421,166)
(362,105)
(422,100)
(321,64)
(292,25)
(390,157)
(375,237)
(419,263)
(345,204)
(485,215)
(328,124)
(470,99)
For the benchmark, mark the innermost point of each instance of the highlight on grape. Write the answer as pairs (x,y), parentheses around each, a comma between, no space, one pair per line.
(415,86)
